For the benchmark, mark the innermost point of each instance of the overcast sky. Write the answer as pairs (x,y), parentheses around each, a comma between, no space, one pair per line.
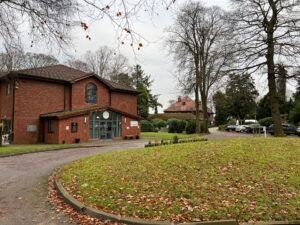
(153,57)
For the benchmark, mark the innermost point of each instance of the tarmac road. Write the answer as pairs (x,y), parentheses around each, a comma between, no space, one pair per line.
(23,184)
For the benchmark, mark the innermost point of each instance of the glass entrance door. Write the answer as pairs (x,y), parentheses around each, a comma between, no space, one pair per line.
(104,127)
(105,130)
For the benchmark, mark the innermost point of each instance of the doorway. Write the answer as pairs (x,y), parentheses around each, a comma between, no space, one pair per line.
(105,125)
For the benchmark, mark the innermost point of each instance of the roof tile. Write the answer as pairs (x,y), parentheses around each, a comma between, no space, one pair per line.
(184,105)
(55,72)
(67,74)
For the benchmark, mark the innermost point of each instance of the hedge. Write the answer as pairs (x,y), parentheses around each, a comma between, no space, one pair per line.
(147,126)
(267,121)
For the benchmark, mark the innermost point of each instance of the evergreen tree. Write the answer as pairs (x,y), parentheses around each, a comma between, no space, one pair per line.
(220,103)
(241,95)
(264,108)
(146,99)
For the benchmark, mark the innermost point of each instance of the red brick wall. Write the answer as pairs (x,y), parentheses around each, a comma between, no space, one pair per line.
(6,102)
(33,98)
(66,136)
(124,102)
(127,129)
(78,93)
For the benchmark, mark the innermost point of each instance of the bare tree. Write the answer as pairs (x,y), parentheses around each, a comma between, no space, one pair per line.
(11,60)
(34,60)
(78,64)
(16,60)
(105,62)
(123,13)
(99,61)
(119,64)
(47,20)
(198,41)
(268,32)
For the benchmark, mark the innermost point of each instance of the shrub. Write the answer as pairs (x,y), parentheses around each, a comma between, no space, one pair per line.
(176,126)
(182,125)
(147,126)
(173,125)
(294,114)
(175,139)
(158,123)
(266,121)
(222,127)
(190,127)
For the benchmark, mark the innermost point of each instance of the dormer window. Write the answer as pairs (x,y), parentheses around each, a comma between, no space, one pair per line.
(91,93)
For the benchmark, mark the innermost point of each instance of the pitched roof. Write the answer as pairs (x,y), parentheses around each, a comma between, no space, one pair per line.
(62,73)
(2,73)
(116,86)
(54,72)
(84,111)
(184,105)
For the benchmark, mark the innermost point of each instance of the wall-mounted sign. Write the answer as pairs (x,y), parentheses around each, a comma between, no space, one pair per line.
(134,123)
(31,128)
(105,115)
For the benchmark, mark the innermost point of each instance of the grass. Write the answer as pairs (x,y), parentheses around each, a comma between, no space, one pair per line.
(165,135)
(253,179)
(20,149)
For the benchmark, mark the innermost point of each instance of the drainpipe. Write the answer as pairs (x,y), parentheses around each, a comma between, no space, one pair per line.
(13,112)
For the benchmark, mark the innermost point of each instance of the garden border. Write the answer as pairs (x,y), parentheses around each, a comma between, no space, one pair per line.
(133,221)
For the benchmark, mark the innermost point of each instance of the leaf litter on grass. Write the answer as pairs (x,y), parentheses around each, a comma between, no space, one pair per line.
(246,179)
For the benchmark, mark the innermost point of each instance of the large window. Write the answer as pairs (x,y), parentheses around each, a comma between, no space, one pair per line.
(91,93)
(105,125)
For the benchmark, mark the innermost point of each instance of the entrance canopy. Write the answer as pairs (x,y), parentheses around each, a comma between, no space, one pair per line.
(85,111)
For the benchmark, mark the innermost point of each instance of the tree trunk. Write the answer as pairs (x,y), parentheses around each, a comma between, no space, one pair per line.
(198,130)
(274,98)
(205,113)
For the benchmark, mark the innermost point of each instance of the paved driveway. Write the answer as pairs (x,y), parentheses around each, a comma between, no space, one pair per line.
(23,182)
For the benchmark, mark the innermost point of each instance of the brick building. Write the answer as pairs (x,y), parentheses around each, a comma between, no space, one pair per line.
(58,104)
(185,105)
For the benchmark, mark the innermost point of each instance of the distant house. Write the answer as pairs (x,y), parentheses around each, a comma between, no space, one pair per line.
(185,105)
(59,104)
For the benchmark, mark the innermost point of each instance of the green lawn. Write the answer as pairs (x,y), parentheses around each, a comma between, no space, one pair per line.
(246,179)
(165,135)
(18,149)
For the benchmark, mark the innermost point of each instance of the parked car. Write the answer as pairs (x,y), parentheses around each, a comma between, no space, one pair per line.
(254,128)
(298,131)
(287,129)
(246,126)
(241,128)
(230,128)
